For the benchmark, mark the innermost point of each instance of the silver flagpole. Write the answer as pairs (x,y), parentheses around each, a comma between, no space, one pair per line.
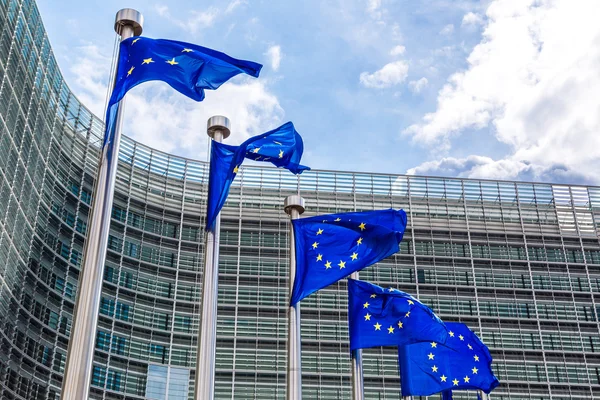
(358,390)
(80,353)
(204,383)
(293,206)
(484,396)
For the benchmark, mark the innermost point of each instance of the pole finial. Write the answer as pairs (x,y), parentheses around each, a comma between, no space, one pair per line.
(218,123)
(129,16)
(293,202)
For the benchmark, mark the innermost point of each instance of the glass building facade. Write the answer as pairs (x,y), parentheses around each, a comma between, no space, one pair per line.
(518,262)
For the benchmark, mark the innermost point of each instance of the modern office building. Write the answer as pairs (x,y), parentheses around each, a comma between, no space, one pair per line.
(518,262)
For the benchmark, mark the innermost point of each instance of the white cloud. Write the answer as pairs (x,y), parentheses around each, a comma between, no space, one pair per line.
(234,4)
(397,50)
(164,119)
(532,80)
(196,21)
(447,30)
(472,19)
(391,74)
(275,55)
(374,9)
(417,86)
(480,167)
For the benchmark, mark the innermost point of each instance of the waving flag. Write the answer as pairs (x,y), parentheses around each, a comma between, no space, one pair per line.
(281,147)
(463,362)
(389,317)
(186,67)
(331,247)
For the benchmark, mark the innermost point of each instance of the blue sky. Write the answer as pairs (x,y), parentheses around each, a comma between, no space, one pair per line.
(502,89)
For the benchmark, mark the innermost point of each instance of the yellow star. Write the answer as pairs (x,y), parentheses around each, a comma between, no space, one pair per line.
(135,40)
(172,62)
(431,356)
(461,337)
(467,379)
(475,370)
(256,150)
(455,381)
(280,153)
(235,170)
(320,257)
(130,71)
(362,226)
(470,347)
(443,378)
(390,329)
(412,303)
(342,264)
(277,143)
(391,289)
(400,325)
(147,61)
(320,231)
(354,256)
(434,345)
(373,295)
(315,245)
(327,265)
(337,220)
(377,327)
(407,314)
(434,368)
(451,334)
(359,242)
(476,358)
(368,317)
(187,50)
(366,304)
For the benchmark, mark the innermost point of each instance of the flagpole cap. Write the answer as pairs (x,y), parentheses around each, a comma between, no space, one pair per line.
(293,202)
(218,123)
(129,16)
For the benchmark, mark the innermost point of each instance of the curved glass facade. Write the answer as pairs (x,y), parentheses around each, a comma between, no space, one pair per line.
(518,262)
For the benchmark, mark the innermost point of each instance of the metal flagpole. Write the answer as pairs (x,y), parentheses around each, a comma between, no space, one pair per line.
(358,390)
(204,383)
(293,206)
(80,353)
(483,395)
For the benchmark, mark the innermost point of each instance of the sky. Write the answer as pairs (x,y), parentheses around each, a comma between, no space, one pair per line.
(496,89)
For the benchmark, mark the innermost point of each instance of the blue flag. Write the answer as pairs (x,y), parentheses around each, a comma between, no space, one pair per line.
(331,247)
(389,317)
(463,362)
(281,147)
(186,67)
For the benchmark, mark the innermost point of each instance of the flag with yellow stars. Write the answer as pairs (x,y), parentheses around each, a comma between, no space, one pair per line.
(186,67)
(463,362)
(331,247)
(388,317)
(282,147)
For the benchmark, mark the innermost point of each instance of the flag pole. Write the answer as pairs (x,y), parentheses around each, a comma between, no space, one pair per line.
(204,382)
(358,390)
(80,353)
(483,395)
(293,206)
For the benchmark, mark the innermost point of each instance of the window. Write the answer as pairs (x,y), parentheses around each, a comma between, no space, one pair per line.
(167,383)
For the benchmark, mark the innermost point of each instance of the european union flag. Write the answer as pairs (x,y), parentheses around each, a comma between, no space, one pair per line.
(281,147)
(186,67)
(331,247)
(389,317)
(463,362)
